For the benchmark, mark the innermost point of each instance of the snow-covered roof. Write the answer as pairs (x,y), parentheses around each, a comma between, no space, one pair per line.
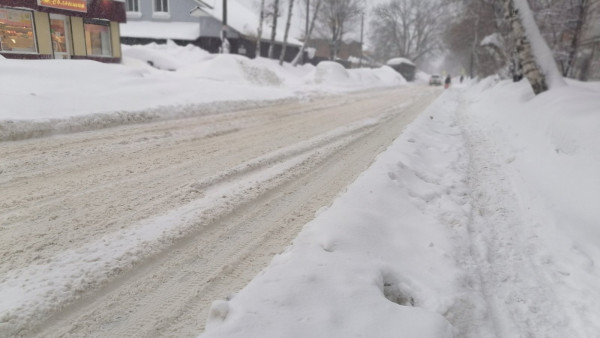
(243,17)
(161,30)
(399,61)
(493,39)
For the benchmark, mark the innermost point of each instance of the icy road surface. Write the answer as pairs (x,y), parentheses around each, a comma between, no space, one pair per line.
(133,231)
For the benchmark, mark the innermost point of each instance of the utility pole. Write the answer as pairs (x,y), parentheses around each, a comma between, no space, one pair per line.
(224,12)
(224,42)
(306,28)
(362,30)
(307,18)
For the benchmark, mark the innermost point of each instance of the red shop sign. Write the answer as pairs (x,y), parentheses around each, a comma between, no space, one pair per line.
(70,5)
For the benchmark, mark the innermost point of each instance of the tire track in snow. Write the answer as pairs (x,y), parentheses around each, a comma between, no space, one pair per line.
(259,179)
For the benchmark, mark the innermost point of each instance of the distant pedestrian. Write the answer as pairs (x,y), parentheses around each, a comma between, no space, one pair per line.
(462,78)
(447,82)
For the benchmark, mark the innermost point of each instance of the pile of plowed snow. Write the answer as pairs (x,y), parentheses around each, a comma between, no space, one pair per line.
(167,56)
(232,68)
(157,81)
(334,74)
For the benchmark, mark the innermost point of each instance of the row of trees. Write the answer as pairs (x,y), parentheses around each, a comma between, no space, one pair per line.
(484,36)
(480,36)
(331,19)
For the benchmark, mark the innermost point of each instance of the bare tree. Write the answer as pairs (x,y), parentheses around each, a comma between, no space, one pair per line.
(531,69)
(334,19)
(308,33)
(561,22)
(475,35)
(274,13)
(287,31)
(407,28)
(261,19)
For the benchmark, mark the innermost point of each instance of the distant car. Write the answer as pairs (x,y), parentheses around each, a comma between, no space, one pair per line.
(435,80)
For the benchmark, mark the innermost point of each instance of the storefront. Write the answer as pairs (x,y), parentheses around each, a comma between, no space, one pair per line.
(61,29)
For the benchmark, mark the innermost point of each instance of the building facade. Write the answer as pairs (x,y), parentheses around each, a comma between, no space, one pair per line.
(349,53)
(587,63)
(182,22)
(61,29)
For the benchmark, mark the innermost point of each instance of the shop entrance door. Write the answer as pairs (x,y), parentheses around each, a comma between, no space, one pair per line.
(61,36)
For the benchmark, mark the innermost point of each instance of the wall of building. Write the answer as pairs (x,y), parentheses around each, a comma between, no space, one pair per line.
(42,28)
(78,37)
(51,43)
(115,39)
(179,11)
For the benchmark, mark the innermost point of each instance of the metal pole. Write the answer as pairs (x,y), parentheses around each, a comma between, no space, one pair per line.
(224,12)
(224,48)
(307,18)
(362,27)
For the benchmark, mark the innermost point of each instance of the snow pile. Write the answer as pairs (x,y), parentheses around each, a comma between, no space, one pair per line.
(379,260)
(57,96)
(167,56)
(389,75)
(332,74)
(232,68)
(399,61)
(549,151)
(328,72)
(481,220)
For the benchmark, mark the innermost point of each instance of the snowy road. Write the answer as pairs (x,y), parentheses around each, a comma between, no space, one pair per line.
(134,231)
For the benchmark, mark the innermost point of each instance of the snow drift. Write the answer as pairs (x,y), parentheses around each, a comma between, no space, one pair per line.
(480,220)
(45,97)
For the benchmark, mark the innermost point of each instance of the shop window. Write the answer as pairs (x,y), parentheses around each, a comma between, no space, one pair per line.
(161,9)
(97,38)
(133,9)
(16,31)
(60,31)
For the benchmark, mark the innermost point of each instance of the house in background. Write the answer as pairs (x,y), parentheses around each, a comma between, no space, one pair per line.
(48,29)
(587,64)
(349,53)
(181,21)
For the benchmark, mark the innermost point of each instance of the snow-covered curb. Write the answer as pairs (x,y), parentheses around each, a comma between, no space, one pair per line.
(379,260)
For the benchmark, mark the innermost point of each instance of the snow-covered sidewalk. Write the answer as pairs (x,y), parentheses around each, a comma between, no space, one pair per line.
(481,220)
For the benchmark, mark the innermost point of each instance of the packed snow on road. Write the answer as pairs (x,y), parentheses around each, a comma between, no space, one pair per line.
(480,219)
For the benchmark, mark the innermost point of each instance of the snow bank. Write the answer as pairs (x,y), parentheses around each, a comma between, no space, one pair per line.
(554,148)
(328,72)
(389,75)
(480,220)
(399,61)
(378,261)
(44,97)
(232,68)
(548,147)
(167,56)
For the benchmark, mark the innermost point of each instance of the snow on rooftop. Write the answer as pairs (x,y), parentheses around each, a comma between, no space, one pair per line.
(399,61)
(161,30)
